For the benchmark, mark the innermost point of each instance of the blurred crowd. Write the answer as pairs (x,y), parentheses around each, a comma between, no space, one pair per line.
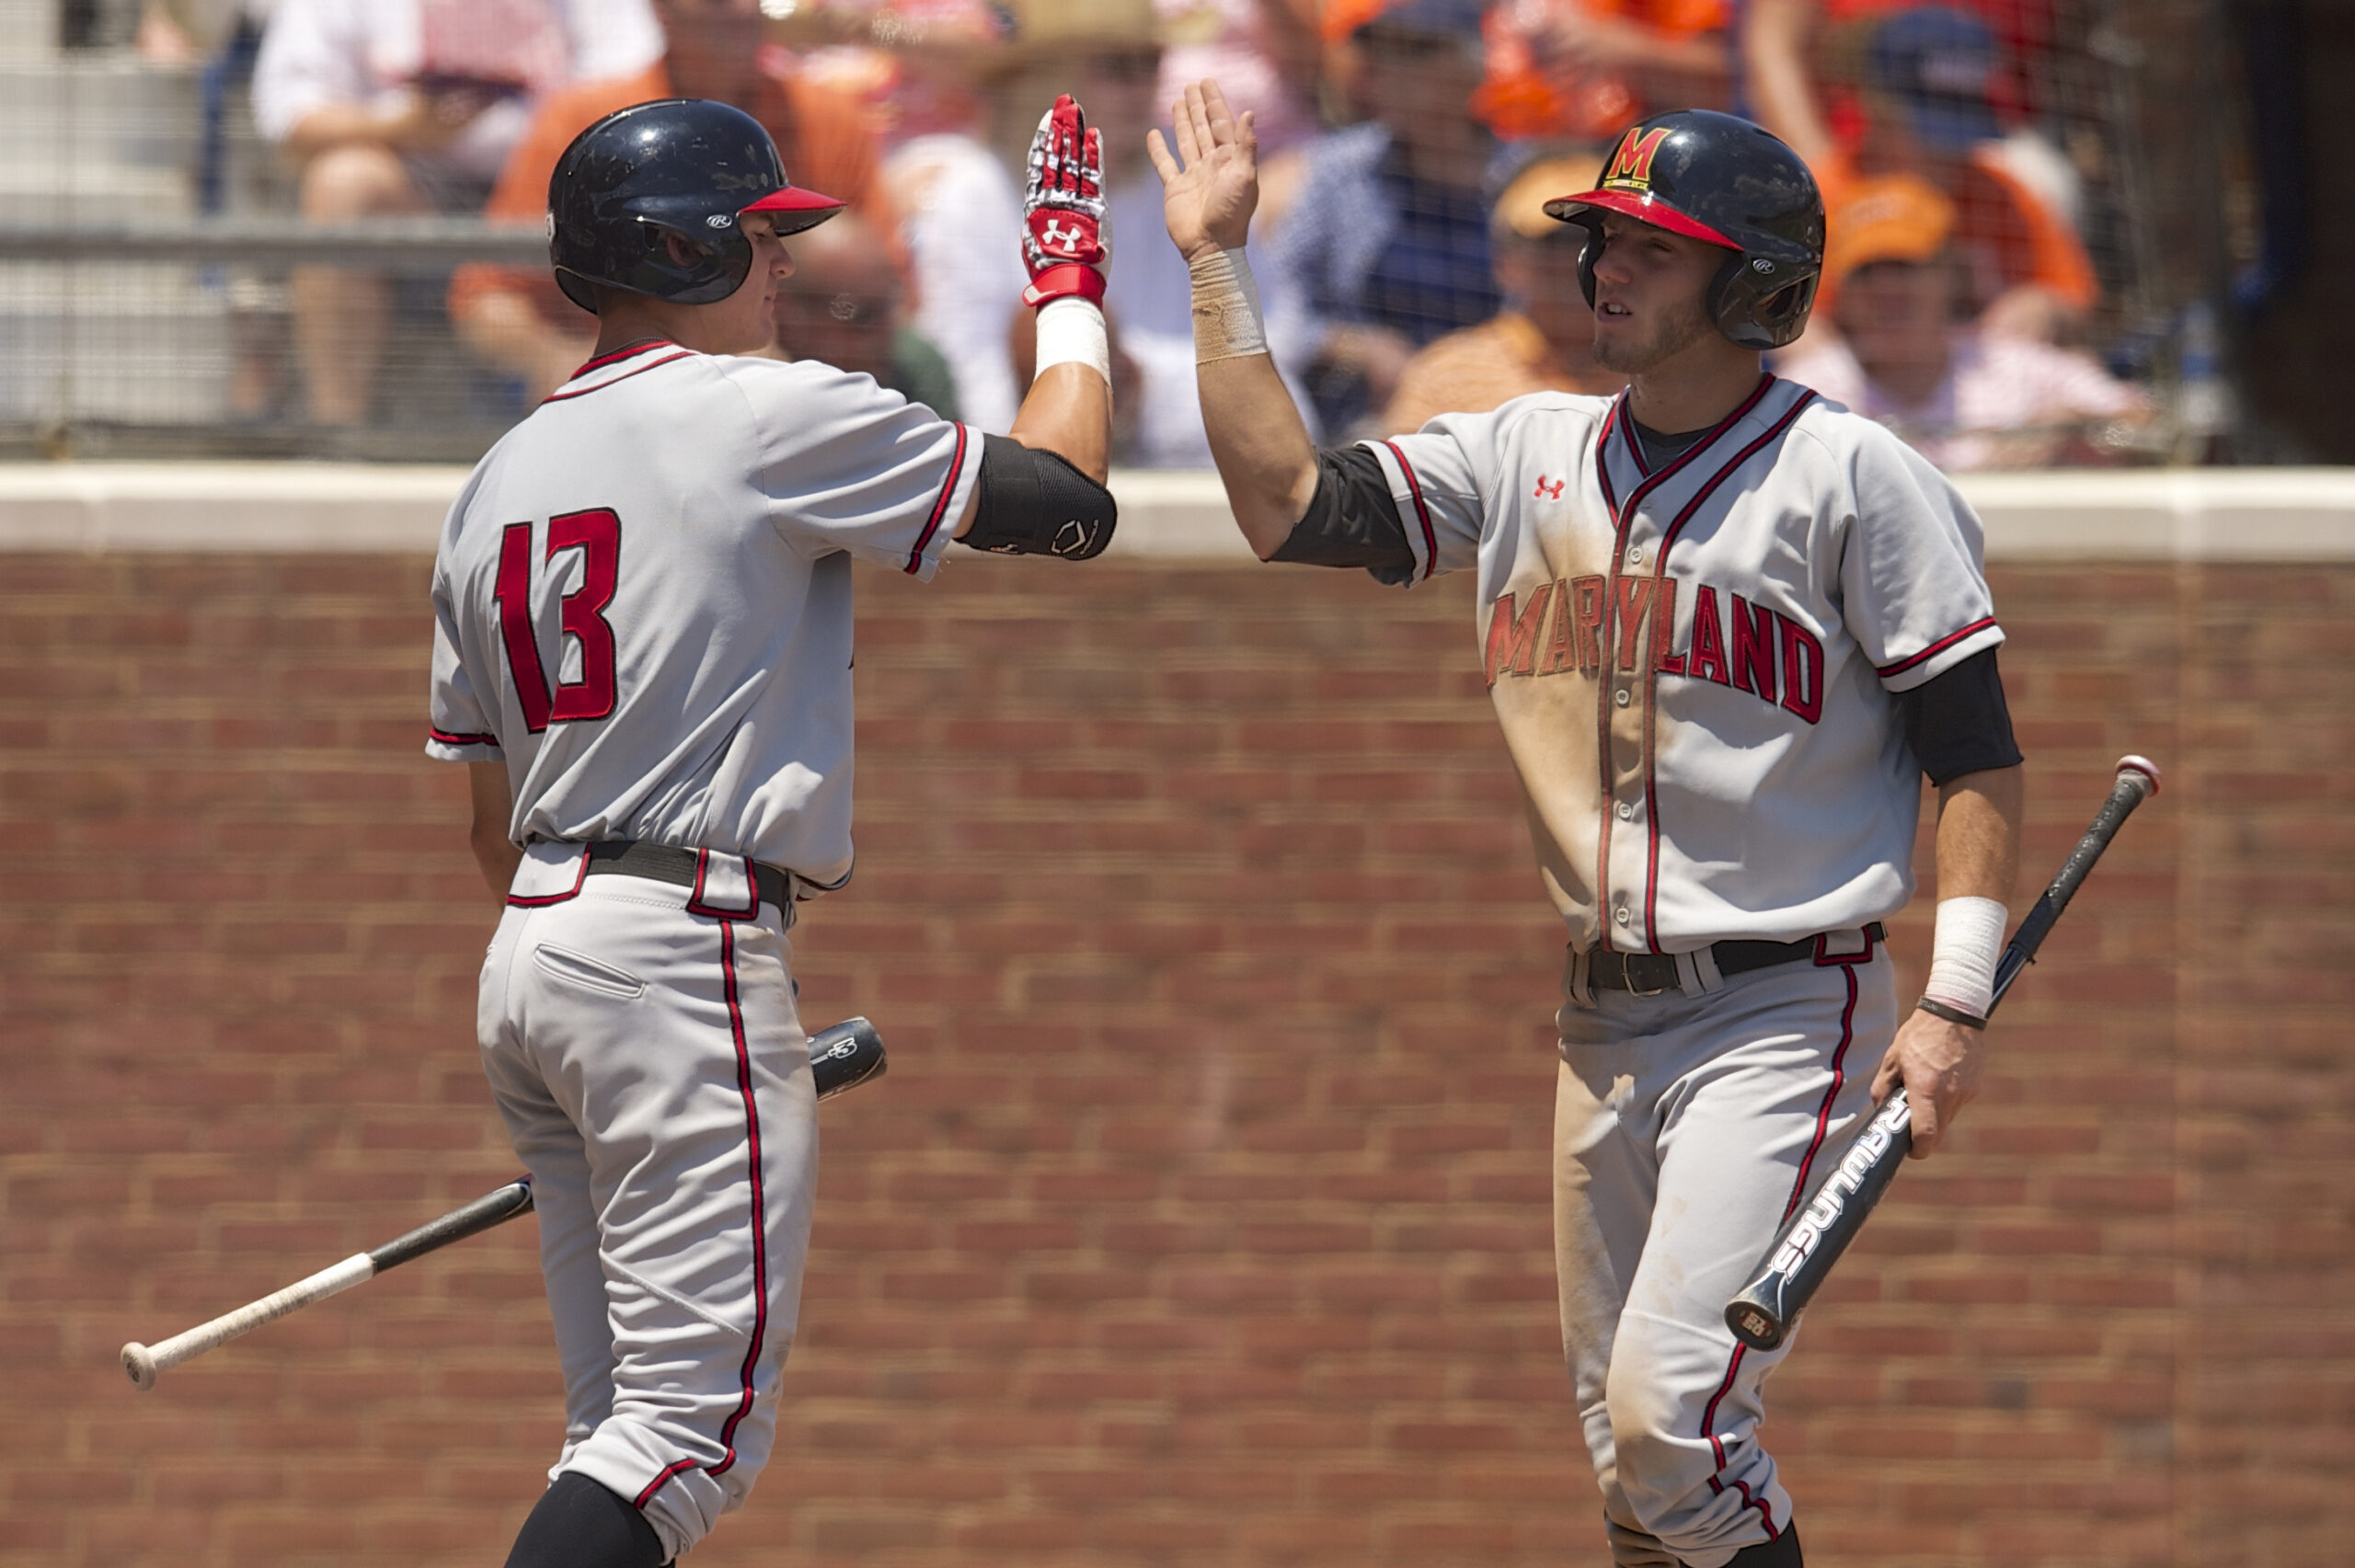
(1405,261)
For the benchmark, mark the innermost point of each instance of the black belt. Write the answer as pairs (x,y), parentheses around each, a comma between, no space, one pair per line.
(682,868)
(1649,974)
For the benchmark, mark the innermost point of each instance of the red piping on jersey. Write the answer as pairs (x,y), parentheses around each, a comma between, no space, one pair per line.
(1652,682)
(760,1215)
(1718,1447)
(1625,514)
(579,878)
(1902,665)
(696,905)
(1422,511)
(759,1227)
(1603,469)
(673,1468)
(616,380)
(628,351)
(448,739)
(1839,1076)
(1799,1188)
(1634,448)
(940,507)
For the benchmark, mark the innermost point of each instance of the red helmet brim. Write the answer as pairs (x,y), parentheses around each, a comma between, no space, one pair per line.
(1644,208)
(793,198)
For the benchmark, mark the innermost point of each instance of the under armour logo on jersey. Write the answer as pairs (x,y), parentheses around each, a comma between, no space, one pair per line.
(1546,492)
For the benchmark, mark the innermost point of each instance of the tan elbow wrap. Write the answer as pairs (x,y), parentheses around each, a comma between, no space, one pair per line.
(1226,308)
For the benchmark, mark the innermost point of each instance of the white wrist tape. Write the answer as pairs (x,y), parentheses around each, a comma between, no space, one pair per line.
(1071,332)
(1226,308)
(1963,955)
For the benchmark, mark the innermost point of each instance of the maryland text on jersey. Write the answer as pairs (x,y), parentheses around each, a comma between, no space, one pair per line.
(1563,627)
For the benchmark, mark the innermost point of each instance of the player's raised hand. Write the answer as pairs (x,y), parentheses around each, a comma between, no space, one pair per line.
(1210,183)
(1062,207)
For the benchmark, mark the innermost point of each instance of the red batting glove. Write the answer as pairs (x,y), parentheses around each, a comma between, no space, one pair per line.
(1063,209)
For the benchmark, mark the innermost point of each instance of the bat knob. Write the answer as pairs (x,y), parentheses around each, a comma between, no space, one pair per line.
(2133,764)
(1752,1326)
(139,1362)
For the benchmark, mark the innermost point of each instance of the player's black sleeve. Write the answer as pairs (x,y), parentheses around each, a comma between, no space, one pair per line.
(1034,503)
(1958,722)
(1351,521)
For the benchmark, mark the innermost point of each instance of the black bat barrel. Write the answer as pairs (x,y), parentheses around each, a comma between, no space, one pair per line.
(1811,1240)
(845,1056)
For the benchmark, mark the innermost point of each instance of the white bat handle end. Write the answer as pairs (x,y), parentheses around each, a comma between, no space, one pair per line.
(140,1363)
(2142,765)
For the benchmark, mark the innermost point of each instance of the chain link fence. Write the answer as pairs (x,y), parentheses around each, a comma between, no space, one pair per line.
(150,250)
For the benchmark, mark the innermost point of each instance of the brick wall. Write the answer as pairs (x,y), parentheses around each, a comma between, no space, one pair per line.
(1203,1219)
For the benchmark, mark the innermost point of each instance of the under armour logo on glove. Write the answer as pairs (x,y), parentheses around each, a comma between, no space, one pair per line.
(1064,240)
(1062,207)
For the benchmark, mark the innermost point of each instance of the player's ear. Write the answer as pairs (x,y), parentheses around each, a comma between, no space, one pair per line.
(684,252)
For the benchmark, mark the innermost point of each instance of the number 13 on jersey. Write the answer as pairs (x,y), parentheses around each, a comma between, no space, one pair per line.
(597,534)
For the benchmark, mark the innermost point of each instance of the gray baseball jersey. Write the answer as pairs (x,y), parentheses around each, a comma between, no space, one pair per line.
(1693,665)
(642,606)
(642,599)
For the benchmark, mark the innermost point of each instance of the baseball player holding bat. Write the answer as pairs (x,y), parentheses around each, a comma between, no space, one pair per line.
(1727,628)
(642,649)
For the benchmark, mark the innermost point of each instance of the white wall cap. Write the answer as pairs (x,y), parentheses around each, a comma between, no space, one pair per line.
(2216,514)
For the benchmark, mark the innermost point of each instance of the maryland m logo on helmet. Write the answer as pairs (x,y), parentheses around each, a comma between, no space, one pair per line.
(1631,165)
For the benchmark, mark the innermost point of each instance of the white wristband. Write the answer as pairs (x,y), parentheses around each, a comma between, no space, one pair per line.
(1226,308)
(1071,332)
(1962,956)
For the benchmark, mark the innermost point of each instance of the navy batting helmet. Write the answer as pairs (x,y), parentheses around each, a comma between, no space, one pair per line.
(683,166)
(1719,178)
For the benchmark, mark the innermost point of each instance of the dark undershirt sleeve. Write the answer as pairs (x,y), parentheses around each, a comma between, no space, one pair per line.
(1958,722)
(1351,521)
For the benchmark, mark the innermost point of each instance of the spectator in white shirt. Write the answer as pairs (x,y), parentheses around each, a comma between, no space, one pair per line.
(1965,395)
(409,106)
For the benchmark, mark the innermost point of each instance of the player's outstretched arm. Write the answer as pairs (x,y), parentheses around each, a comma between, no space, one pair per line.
(1210,186)
(1041,491)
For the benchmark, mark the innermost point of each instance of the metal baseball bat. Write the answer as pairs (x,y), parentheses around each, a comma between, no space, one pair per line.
(841,1058)
(1797,1260)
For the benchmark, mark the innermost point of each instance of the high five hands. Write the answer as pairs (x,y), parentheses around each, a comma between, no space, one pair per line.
(1210,184)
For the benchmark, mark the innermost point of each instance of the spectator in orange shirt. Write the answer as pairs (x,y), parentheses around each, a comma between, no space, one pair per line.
(1544,339)
(1931,81)
(1587,68)
(517,319)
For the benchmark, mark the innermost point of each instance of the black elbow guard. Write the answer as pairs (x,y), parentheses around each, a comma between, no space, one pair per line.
(1034,503)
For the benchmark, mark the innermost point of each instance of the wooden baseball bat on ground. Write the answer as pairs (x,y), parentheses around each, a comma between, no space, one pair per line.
(841,1058)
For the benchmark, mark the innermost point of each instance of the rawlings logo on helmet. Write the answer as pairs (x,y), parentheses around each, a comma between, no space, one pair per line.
(1631,165)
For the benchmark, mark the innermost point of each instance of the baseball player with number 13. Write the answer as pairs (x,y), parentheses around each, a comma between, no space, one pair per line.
(642,647)
(1728,627)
